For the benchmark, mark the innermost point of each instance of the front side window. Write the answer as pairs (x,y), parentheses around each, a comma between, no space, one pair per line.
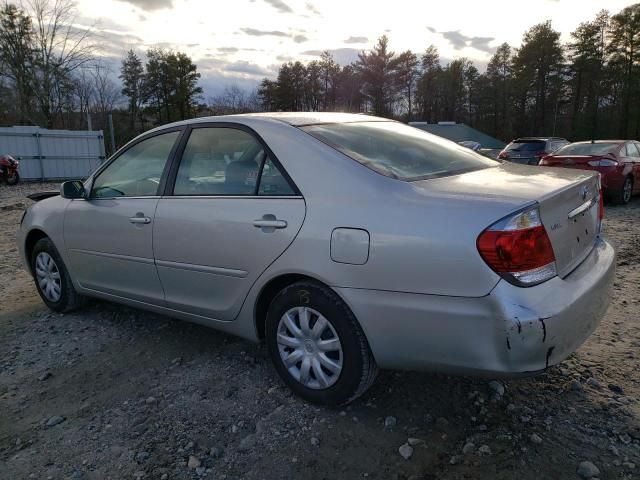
(399,151)
(137,171)
(227,161)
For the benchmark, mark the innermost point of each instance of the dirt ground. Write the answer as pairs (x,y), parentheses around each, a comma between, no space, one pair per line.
(112,392)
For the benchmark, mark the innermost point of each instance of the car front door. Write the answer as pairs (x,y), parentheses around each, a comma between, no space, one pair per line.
(108,235)
(229,212)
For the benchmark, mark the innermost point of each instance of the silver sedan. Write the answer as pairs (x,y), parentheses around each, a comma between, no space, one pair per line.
(345,242)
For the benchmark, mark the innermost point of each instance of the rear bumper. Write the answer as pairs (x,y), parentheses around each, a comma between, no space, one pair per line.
(511,331)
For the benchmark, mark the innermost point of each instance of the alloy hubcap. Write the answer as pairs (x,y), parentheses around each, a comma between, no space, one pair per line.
(309,347)
(48,277)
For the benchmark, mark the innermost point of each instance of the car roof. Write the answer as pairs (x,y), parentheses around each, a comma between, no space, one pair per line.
(538,139)
(299,119)
(603,141)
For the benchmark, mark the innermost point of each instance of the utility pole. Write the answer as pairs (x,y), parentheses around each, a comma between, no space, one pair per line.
(111,135)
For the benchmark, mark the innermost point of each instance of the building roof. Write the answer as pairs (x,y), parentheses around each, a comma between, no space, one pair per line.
(459,132)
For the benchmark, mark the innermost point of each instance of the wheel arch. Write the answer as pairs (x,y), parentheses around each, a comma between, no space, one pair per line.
(30,242)
(270,290)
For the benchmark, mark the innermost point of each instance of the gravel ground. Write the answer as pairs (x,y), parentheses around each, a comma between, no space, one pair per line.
(112,392)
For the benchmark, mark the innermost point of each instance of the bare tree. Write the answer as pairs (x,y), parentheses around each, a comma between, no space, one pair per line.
(106,92)
(60,48)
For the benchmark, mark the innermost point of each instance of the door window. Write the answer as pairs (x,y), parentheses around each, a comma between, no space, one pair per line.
(272,182)
(137,171)
(632,151)
(226,161)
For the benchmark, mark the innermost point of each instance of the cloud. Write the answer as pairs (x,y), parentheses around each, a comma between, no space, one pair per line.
(247,68)
(431,29)
(300,38)
(312,8)
(342,56)
(261,33)
(228,49)
(150,5)
(356,40)
(279,5)
(459,41)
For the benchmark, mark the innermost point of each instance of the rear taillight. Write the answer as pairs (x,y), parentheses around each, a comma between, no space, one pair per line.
(518,249)
(502,155)
(605,162)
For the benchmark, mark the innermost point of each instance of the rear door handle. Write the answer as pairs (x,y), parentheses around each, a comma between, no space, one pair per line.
(269,222)
(140,218)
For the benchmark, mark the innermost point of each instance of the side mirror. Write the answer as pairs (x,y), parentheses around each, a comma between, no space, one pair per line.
(72,189)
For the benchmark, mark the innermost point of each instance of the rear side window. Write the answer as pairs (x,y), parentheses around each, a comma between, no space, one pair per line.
(227,161)
(526,146)
(632,151)
(398,151)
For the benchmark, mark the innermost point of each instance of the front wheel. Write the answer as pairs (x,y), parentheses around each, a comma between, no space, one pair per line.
(52,278)
(13,179)
(317,345)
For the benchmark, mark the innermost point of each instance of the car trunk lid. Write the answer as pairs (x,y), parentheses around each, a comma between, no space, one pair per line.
(568,201)
(570,161)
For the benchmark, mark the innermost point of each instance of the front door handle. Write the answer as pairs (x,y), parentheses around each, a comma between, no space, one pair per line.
(269,222)
(140,218)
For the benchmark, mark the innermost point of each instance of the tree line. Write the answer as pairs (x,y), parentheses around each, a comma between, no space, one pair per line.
(588,87)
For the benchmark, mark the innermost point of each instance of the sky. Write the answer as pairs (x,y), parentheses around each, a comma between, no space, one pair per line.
(243,41)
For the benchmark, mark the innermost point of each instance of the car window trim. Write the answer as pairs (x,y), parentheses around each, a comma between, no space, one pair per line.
(132,144)
(177,160)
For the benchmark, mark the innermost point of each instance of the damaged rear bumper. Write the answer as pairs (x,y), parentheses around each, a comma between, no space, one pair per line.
(511,331)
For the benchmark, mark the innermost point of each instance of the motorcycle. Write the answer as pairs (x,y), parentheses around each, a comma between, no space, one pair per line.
(9,169)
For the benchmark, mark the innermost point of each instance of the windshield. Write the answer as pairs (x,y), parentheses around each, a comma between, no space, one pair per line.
(397,150)
(526,146)
(587,149)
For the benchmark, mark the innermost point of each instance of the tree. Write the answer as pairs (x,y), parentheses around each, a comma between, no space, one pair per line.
(60,48)
(329,71)
(16,56)
(378,71)
(133,77)
(537,76)
(624,51)
(407,77)
(499,75)
(429,83)
(171,84)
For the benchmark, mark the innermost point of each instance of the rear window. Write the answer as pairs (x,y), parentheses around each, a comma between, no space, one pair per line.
(587,149)
(397,150)
(526,146)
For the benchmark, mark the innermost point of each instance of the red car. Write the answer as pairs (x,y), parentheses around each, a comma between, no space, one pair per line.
(618,162)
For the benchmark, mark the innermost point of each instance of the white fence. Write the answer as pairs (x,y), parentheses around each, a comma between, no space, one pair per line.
(53,154)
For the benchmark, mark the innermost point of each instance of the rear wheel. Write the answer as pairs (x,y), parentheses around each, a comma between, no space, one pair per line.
(623,195)
(52,278)
(317,345)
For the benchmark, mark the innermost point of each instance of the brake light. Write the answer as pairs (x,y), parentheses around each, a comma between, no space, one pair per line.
(543,160)
(518,249)
(502,155)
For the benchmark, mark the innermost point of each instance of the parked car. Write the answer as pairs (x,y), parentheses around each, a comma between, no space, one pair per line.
(346,242)
(529,150)
(618,162)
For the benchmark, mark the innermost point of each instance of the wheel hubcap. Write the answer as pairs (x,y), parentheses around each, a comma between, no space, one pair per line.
(309,347)
(48,277)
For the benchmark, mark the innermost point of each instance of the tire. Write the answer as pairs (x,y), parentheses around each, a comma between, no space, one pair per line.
(623,195)
(64,298)
(317,347)
(14,179)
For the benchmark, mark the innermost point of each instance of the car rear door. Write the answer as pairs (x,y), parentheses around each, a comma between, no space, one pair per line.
(108,235)
(228,212)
